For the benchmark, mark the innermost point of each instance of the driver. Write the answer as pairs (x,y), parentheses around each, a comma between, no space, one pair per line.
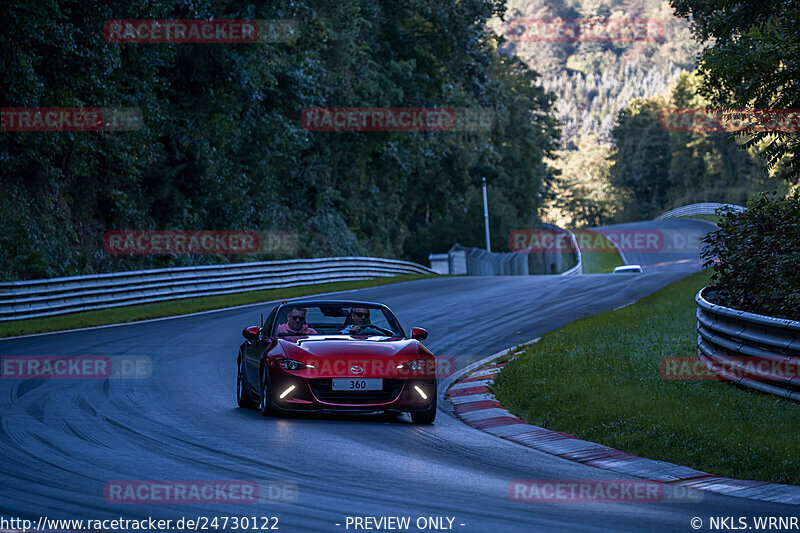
(296,323)
(359,317)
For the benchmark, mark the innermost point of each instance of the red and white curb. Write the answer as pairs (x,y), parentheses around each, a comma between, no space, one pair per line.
(477,407)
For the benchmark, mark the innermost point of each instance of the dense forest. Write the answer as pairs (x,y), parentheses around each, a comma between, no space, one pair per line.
(574,134)
(653,167)
(593,81)
(222,146)
(615,163)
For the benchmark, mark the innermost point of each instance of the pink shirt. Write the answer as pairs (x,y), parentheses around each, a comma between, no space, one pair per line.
(284,328)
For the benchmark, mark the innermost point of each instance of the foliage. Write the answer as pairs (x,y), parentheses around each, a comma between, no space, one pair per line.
(654,170)
(581,194)
(755,254)
(592,82)
(641,161)
(222,146)
(752,64)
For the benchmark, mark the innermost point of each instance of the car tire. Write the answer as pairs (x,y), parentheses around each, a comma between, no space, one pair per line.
(242,396)
(427,416)
(265,402)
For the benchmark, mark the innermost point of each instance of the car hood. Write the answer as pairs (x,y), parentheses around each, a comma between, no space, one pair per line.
(327,346)
(342,355)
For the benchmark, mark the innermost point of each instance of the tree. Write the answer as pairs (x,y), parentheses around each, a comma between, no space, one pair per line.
(656,168)
(751,63)
(222,145)
(640,164)
(582,194)
(709,166)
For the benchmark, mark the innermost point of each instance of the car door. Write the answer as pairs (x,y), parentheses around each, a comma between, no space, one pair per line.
(253,350)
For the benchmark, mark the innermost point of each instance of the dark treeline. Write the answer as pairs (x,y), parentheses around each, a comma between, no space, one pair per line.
(222,145)
(750,62)
(655,167)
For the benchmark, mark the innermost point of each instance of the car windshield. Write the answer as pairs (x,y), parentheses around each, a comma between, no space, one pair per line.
(336,319)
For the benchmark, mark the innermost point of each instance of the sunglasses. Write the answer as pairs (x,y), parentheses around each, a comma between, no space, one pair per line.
(362,315)
(293,317)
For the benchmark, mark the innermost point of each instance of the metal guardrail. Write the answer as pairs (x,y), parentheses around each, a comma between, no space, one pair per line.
(55,296)
(726,336)
(578,268)
(707,208)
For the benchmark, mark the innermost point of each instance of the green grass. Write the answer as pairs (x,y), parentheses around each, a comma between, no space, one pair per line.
(598,379)
(179,307)
(600,262)
(710,218)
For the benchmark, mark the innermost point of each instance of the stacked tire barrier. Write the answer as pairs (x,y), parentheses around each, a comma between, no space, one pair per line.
(56,296)
(727,338)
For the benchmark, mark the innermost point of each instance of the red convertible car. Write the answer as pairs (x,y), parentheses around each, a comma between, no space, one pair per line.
(336,356)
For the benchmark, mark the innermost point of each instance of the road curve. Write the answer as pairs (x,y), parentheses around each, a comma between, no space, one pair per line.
(62,441)
(662,245)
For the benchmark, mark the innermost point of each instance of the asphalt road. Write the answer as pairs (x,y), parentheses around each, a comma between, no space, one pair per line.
(660,245)
(62,441)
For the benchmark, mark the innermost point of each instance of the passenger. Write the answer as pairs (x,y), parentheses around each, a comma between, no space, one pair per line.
(296,323)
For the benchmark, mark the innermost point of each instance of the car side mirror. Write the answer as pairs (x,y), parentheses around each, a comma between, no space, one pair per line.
(250,333)
(419,334)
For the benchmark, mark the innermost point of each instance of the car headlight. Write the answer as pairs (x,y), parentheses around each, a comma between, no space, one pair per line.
(414,366)
(291,364)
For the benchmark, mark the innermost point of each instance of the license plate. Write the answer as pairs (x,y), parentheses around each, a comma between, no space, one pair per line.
(354,384)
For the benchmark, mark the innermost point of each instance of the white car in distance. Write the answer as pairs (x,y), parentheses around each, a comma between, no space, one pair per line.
(628,269)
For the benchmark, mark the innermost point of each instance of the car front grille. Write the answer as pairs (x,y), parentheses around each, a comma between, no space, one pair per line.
(322,390)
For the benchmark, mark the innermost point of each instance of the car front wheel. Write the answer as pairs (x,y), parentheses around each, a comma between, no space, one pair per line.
(265,401)
(242,396)
(427,416)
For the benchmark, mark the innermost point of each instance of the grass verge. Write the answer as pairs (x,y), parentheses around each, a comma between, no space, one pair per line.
(132,313)
(600,261)
(598,379)
(710,218)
